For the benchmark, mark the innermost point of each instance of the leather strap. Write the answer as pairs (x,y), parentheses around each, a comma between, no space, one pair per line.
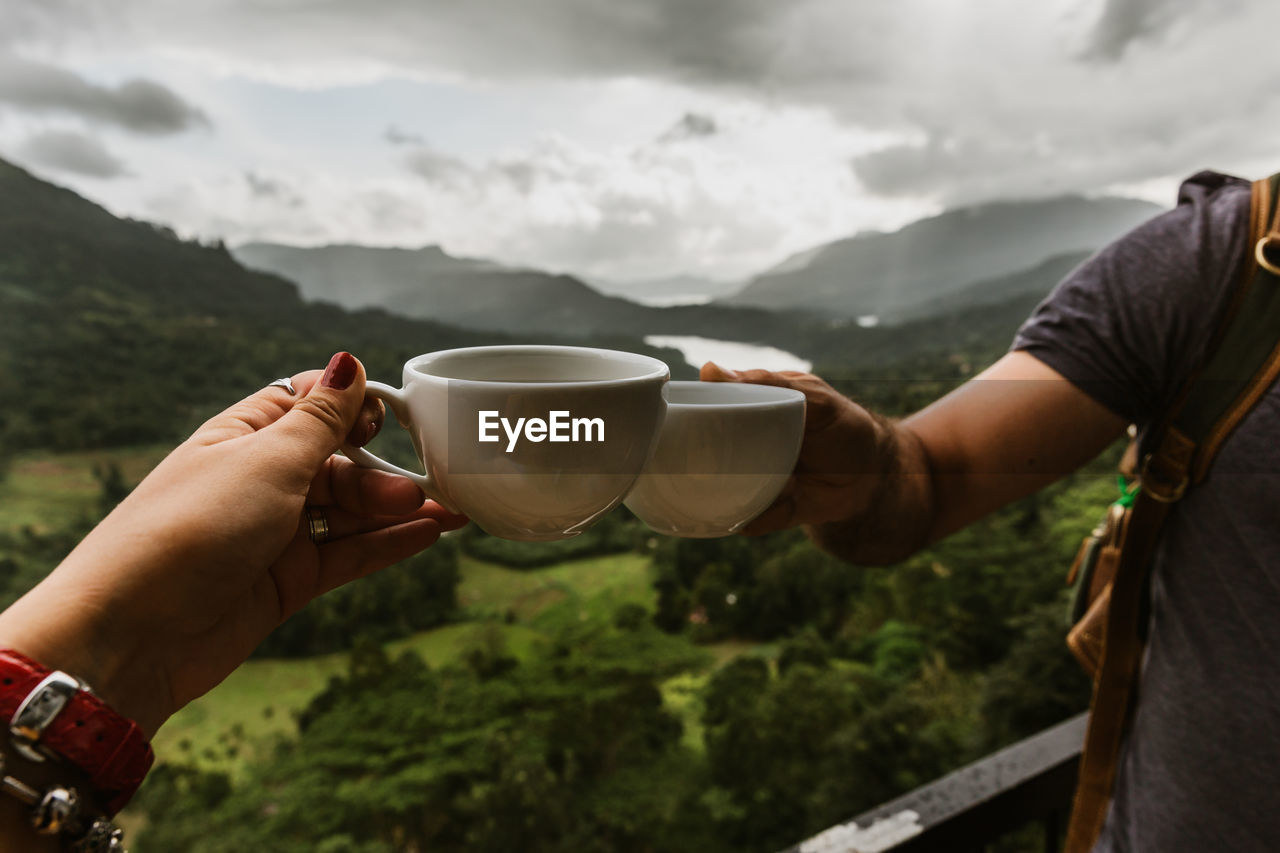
(1242,356)
(109,748)
(1163,481)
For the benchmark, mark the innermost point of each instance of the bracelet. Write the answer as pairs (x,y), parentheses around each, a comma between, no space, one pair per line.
(60,718)
(58,811)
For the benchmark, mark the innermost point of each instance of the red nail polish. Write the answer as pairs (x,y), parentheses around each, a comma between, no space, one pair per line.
(340,373)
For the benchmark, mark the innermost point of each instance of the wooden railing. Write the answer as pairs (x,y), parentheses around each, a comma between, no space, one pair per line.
(1030,782)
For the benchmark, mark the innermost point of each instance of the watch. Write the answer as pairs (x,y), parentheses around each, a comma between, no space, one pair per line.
(54,715)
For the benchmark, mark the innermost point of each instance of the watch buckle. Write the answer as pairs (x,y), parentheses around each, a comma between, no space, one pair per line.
(41,707)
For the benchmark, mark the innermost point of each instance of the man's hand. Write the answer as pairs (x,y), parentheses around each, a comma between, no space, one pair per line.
(873,491)
(849,460)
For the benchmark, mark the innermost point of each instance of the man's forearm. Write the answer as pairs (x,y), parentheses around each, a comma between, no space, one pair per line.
(898,517)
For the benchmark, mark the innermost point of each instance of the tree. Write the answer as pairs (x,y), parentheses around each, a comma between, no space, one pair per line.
(112,487)
(560,752)
(413,595)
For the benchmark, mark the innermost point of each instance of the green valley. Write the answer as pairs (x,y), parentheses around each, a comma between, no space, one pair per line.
(619,691)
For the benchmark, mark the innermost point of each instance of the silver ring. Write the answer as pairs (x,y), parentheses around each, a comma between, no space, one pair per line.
(286,383)
(317,524)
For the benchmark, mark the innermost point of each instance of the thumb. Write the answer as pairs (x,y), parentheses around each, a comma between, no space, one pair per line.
(712,372)
(318,423)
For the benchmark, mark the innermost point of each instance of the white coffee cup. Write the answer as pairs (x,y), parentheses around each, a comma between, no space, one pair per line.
(725,451)
(532,442)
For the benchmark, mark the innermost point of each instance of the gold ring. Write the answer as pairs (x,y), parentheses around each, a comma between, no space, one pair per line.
(317,525)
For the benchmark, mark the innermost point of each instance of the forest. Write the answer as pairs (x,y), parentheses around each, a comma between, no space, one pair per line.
(746,694)
(856,684)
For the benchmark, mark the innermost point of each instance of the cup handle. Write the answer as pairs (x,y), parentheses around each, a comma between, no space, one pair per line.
(399,406)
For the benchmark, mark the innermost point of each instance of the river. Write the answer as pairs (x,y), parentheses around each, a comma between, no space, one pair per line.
(731,354)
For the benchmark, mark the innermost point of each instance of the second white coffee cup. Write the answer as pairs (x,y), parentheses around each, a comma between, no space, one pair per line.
(725,451)
(532,442)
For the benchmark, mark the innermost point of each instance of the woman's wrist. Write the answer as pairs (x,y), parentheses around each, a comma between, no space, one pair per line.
(61,627)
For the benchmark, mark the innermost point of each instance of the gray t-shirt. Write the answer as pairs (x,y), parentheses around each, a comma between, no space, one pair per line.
(1201,767)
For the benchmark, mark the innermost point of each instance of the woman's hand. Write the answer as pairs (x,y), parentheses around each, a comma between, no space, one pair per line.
(174,589)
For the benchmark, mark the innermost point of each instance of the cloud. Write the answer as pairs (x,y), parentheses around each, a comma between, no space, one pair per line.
(396,136)
(1076,104)
(969,169)
(690,126)
(754,193)
(51,20)
(533,157)
(142,106)
(1124,22)
(272,189)
(653,209)
(69,151)
(1055,81)
(745,41)
(558,205)
(438,168)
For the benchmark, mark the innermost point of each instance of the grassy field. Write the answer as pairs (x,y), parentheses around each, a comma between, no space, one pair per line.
(44,490)
(242,714)
(490,591)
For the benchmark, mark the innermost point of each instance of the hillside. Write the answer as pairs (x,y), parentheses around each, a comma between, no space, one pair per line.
(114,332)
(354,276)
(1020,286)
(904,273)
(429,284)
(360,276)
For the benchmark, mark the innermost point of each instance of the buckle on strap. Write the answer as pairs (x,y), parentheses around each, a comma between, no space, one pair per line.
(1158,488)
(1260,253)
(41,707)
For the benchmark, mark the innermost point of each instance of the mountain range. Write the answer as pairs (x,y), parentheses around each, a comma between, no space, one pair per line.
(973,256)
(358,276)
(915,271)
(429,284)
(115,331)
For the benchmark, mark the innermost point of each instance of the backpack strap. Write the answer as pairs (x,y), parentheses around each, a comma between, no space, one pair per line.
(1174,453)
(1246,361)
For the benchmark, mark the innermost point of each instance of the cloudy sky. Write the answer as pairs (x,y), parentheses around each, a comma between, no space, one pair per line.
(624,138)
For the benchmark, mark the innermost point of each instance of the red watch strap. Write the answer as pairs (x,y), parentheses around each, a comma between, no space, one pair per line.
(108,747)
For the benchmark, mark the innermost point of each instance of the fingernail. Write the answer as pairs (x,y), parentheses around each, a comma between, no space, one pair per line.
(371,431)
(724,370)
(340,373)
